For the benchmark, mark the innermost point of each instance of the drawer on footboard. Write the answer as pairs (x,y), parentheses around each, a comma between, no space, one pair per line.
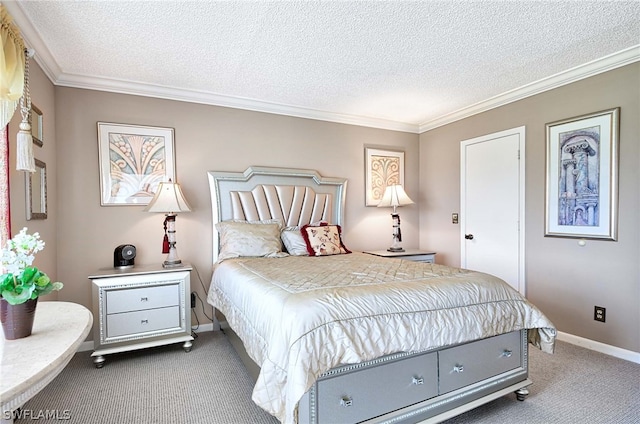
(469,363)
(354,396)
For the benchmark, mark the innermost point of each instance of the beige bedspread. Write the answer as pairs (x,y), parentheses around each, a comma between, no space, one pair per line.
(301,316)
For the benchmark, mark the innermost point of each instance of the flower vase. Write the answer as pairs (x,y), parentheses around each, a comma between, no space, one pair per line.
(17,320)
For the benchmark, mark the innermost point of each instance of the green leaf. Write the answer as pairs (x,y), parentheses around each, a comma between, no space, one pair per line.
(42,280)
(28,275)
(6,282)
(17,298)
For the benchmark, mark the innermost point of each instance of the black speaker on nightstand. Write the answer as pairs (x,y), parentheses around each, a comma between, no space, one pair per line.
(124,255)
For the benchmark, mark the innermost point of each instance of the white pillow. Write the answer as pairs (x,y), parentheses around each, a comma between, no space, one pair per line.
(246,238)
(294,242)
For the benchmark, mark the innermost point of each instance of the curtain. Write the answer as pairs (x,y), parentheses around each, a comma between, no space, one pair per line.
(5,218)
(12,62)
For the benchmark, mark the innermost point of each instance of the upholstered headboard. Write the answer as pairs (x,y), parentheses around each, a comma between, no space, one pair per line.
(295,196)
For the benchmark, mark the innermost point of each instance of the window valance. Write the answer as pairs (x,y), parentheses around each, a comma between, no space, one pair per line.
(12,64)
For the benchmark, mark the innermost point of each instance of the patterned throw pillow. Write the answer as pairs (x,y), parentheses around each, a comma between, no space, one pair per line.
(323,240)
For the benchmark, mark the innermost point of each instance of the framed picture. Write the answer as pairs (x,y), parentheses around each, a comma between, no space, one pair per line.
(582,176)
(134,160)
(383,168)
(35,120)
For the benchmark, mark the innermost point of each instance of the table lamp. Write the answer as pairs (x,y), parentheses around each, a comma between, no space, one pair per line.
(395,196)
(169,200)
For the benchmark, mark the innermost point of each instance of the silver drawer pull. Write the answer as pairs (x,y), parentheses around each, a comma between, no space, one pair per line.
(144,321)
(346,401)
(458,368)
(506,354)
(144,299)
(418,381)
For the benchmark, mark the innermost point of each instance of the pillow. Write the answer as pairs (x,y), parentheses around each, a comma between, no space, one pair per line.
(294,242)
(249,238)
(323,240)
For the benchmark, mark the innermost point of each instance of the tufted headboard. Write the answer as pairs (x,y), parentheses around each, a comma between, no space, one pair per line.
(295,196)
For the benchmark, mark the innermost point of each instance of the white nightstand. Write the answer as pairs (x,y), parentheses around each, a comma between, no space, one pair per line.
(409,255)
(140,307)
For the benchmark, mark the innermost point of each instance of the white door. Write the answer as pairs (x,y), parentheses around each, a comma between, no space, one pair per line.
(492,205)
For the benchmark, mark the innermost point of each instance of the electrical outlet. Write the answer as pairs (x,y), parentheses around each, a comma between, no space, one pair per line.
(599,313)
(193,300)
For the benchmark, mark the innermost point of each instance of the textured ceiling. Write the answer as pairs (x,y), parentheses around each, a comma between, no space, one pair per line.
(393,64)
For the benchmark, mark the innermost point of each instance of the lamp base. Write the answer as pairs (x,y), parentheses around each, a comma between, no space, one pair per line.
(172,264)
(395,249)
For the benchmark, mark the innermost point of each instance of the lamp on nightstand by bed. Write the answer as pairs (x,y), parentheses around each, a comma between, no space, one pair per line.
(169,200)
(394,196)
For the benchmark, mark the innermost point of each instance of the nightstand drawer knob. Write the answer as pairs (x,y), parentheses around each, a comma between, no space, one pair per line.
(458,368)
(468,236)
(144,321)
(418,381)
(144,299)
(506,354)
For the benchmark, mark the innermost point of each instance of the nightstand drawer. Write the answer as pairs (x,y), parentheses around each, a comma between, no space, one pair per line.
(415,255)
(429,258)
(138,299)
(140,322)
(468,363)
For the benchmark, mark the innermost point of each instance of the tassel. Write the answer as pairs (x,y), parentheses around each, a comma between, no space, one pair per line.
(24,155)
(165,244)
(165,241)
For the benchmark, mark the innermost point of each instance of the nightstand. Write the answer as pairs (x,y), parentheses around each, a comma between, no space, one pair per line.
(140,307)
(409,255)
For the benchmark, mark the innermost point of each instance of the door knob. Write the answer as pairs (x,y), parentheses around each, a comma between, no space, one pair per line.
(468,236)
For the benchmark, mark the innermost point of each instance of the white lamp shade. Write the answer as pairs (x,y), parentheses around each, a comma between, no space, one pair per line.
(168,199)
(394,195)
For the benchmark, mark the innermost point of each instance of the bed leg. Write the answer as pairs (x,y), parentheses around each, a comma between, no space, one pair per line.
(521,394)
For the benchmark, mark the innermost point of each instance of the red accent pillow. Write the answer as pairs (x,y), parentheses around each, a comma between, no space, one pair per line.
(323,240)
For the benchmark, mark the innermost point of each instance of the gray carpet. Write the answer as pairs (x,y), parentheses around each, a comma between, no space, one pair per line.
(210,385)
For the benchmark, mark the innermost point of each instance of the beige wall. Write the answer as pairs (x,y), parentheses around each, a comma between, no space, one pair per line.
(42,95)
(562,278)
(565,281)
(206,138)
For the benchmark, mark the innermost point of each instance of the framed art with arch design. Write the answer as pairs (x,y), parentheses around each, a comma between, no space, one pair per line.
(582,176)
(134,160)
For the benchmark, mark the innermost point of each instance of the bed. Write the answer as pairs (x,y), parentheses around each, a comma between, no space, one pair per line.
(334,336)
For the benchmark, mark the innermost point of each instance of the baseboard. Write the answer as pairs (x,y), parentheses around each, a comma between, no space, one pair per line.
(627,355)
(88,345)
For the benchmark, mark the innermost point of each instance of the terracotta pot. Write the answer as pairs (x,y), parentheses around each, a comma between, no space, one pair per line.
(17,320)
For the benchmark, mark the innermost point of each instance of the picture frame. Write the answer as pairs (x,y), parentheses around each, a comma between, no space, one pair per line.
(134,160)
(36,191)
(36,122)
(582,176)
(382,168)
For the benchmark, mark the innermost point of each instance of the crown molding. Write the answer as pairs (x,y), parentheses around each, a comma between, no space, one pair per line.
(49,65)
(589,69)
(202,97)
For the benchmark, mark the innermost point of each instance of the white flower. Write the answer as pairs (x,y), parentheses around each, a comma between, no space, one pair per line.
(20,251)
